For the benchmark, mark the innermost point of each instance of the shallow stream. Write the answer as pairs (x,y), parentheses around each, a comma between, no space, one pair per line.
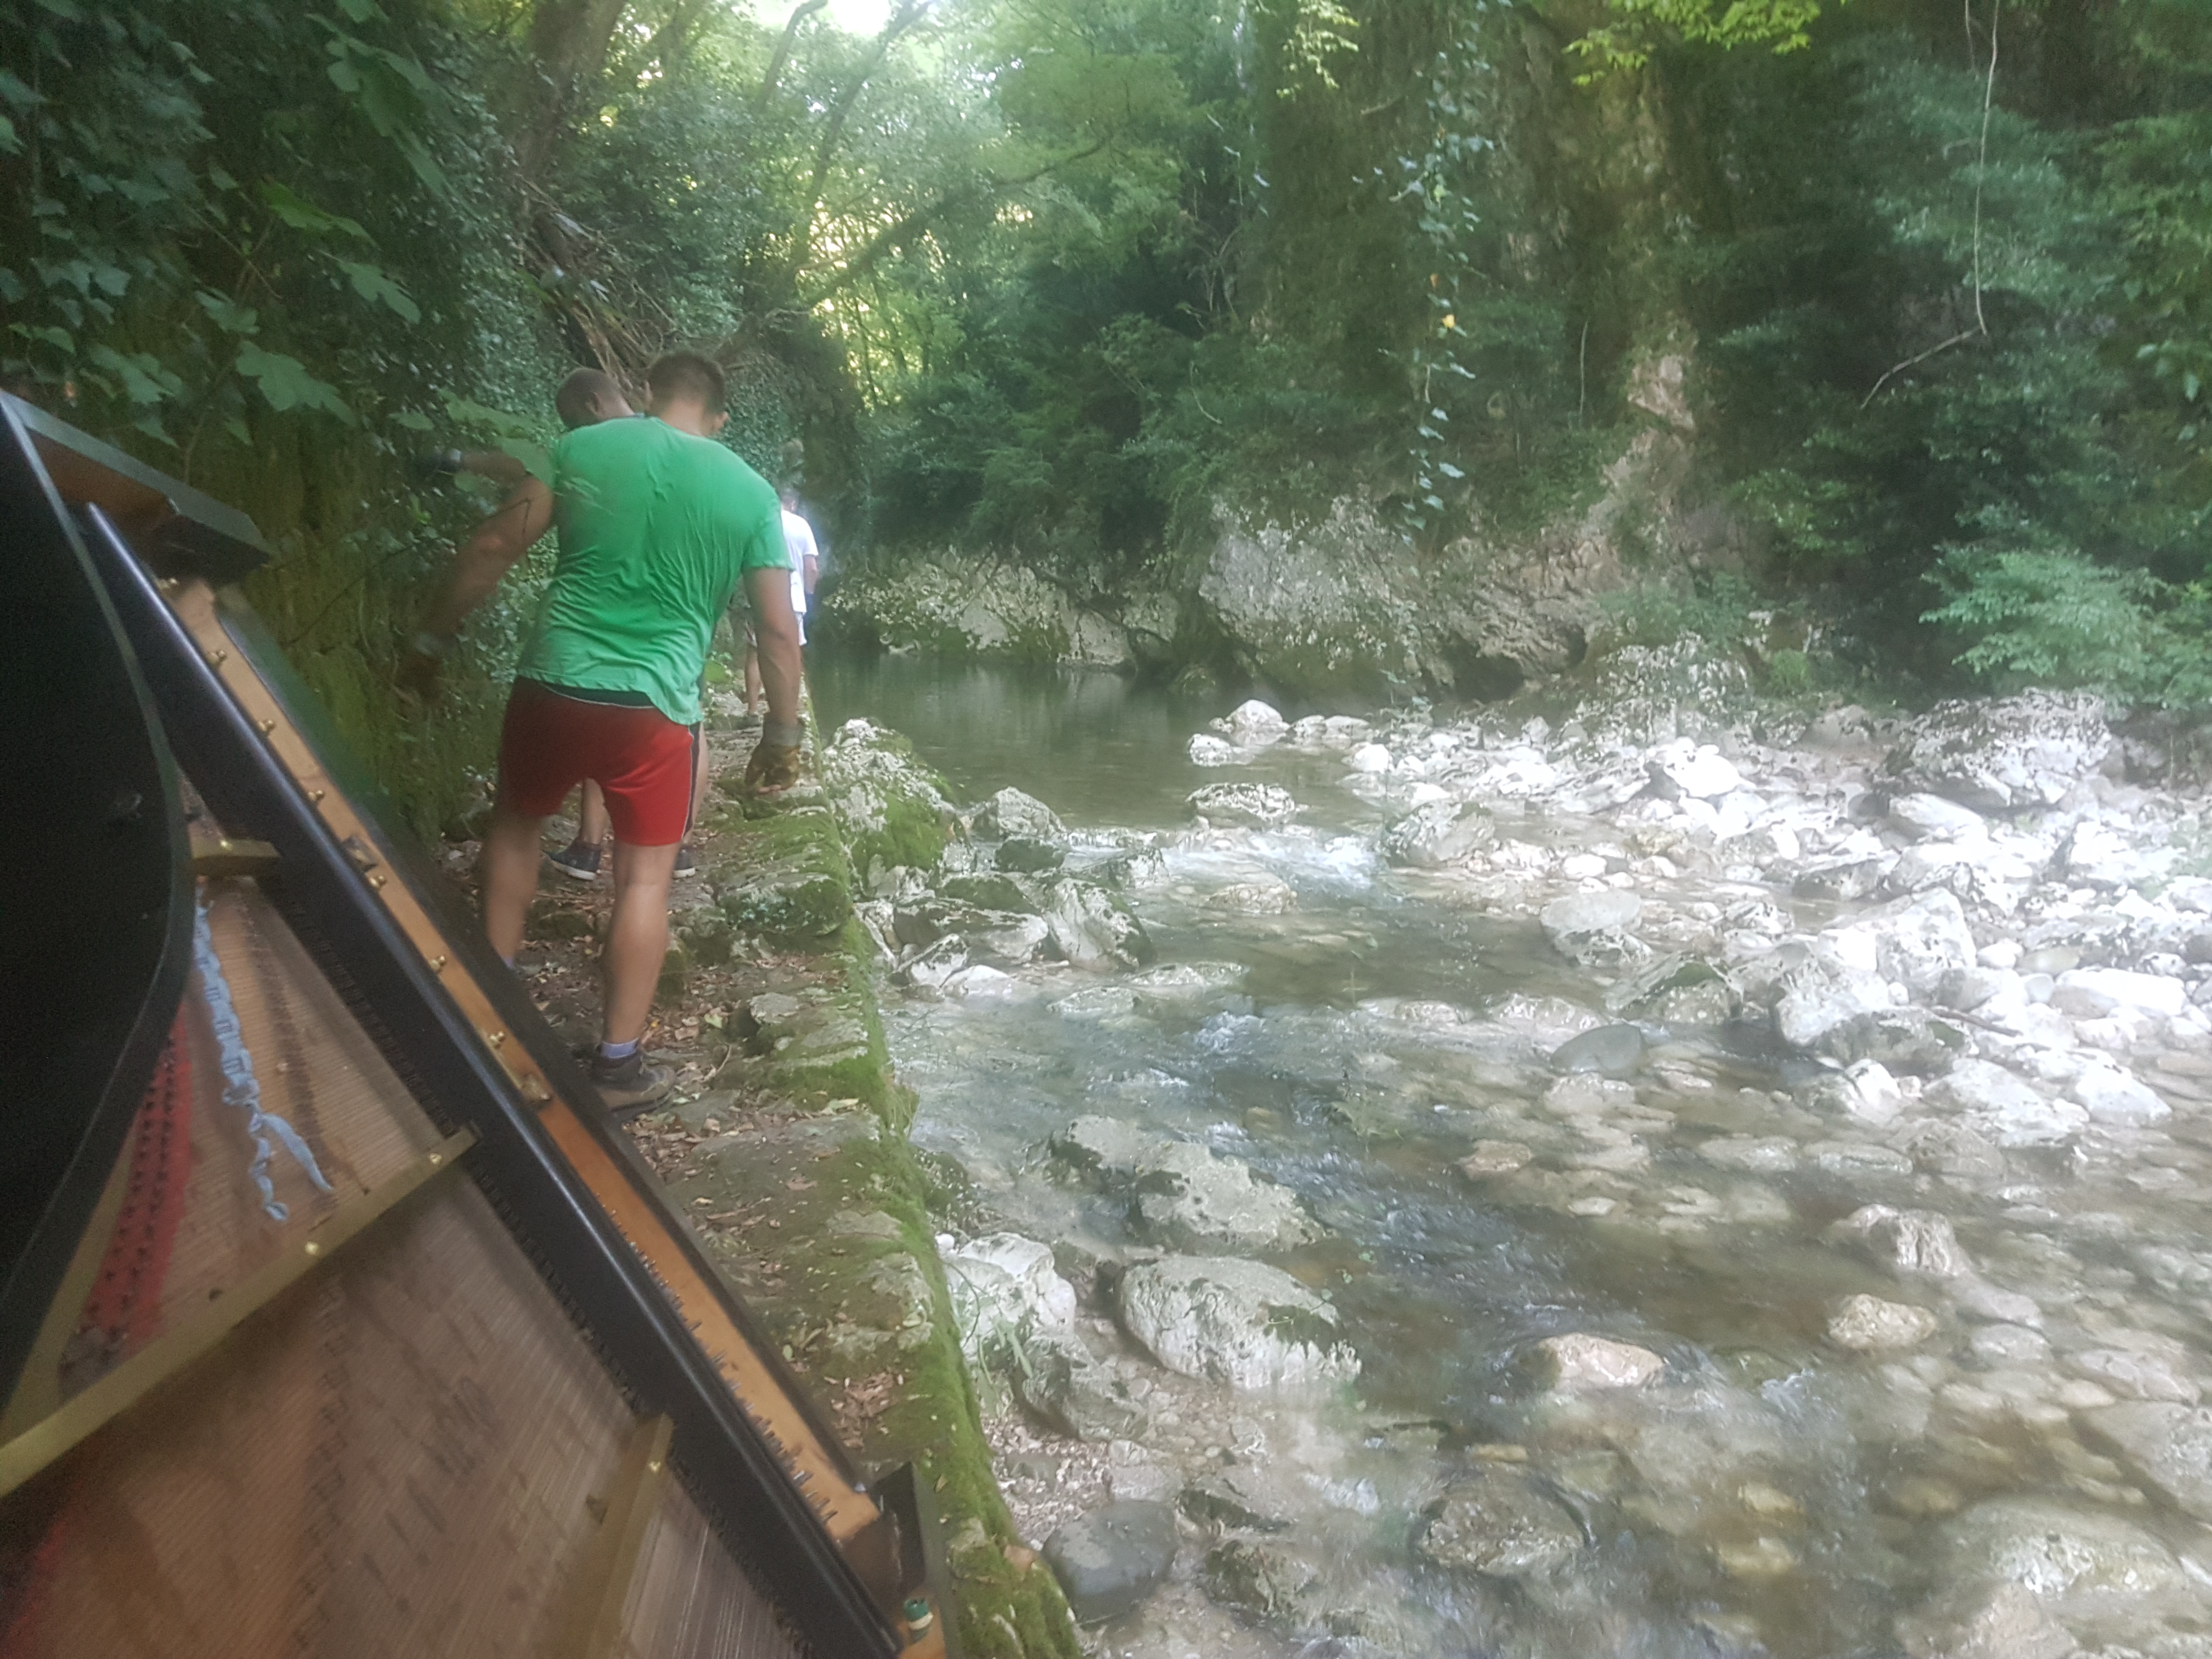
(1772,1493)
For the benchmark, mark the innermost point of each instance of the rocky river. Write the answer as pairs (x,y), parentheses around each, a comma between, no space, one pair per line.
(1646,1175)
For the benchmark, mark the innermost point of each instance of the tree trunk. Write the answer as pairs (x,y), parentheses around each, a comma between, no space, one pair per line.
(569,42)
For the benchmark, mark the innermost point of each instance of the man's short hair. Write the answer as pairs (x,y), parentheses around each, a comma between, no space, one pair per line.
(583,394)
(787,493)
(689,377)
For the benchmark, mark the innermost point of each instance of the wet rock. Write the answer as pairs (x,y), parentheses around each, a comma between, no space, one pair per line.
(1190,1199)
(1583,1094)
(1228,1320)
(1865,1092)
(1496,1521)
(1441,833)
(1005,1293)
(2010,1111)
(1228,1500)
(1268,897)
(1759,1154)
(1092,929)
(1682,770)
(1842,879)
(2075,1562)
(2111,1096)
(2095,993)
(1256,806)
(1260,1580)
(1580,1363)
(1997,1347)
(1907,1040)
(1663,985)
(1614,1050)
(989,892)
(1868,1324)
(1579,925)
(2167,1444)
(1110,1560)
(1931,817)
(2006,755)
(1255,722)
(1369,758)
(928,968)
(1206,750)
(1824,996)
(2134,1376)
(1010,812)
(791,907)
(1913,942)
(1058,1381)
(1910,1240)
(1028,855)
(1104,1148)
(1984,1620)
(1492,1158)
(1006,937)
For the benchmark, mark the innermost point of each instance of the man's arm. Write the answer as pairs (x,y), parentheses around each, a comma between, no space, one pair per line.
(488,555)
(776,636)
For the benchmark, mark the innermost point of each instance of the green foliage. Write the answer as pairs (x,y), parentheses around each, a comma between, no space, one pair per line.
(1636,28)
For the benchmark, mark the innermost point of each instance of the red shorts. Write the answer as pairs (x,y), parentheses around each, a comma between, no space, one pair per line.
(641,760)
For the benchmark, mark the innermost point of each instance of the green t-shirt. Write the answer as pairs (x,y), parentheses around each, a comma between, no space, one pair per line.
(656,530)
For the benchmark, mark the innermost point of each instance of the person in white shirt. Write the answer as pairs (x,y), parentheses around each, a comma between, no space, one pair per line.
(805,571)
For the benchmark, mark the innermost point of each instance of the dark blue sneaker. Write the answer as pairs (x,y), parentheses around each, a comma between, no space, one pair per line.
(686,864)
(577,860)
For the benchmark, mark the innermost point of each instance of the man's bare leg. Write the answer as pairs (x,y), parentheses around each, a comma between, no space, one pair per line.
(703,780)
(510,877)
(592,824)
(637,938)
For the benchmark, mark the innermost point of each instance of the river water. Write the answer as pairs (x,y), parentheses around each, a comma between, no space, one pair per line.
(1772,1493)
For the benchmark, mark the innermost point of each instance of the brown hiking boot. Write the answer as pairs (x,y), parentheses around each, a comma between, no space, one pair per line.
(629,1084)
(772,768)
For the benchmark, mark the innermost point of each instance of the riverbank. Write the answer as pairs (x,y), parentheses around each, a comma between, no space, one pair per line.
(787,1154)
(1658,1176)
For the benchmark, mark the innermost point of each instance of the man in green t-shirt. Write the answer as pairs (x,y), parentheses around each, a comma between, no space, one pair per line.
(660,526)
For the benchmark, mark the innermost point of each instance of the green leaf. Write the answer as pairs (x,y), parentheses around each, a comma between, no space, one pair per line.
(466,412)
(64,9)
(285,382)
(221,180)
(411,421)
(230,316)
(10,144)
(13,90)
(144,379)
(59,338)
(150,424)
(362,11)
(373,284)
(302,215)
(533,456)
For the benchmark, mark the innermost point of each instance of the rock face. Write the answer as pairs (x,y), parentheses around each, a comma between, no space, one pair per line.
(2004,756)
(1440,833)
(1495,1522)
(1110,1559)
(1228,1320)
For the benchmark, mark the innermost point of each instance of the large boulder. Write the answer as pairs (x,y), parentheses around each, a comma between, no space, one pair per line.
(1010,812)
(2007,755)
(1006,1294)
(1912,941)
(1093,929)
(1188,1199)
(1234,1321)
(1824,995)
(1109,1560)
